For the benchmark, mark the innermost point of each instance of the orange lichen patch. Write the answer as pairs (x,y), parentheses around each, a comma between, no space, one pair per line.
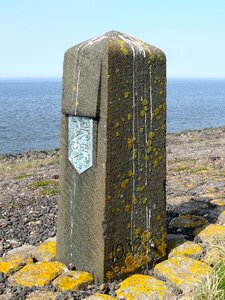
(137,232)
(38,274)
(109,275)
(100,297)
(218,202)
(187,221)
(46,251)
(189,249)
(73,280)
(146,236)
(124,183)
(130,142)
(43,295)
(140,287)
(211,233)
(133,263)
(182,272)
(128,226)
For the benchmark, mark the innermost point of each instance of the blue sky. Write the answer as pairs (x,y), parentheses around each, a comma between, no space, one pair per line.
(35,34)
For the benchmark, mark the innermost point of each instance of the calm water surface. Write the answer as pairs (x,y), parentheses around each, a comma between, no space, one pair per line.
(30,110)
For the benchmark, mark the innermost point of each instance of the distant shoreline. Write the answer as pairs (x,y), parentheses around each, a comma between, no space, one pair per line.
(210,132)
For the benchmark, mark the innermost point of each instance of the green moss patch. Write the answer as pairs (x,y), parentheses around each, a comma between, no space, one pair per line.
(47,187)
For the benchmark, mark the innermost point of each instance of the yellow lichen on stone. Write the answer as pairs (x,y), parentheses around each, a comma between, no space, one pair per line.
(130,142)
(133,263)
(138,287)
(134,200)
(124,184)
(38,274)
(117,133)
(129,117)
(130,173)
(43,295)
(218,202)
(73,280)
(211,233)
(123,49)
(117,125)
(126,95)
(46,251)
(182,272)
(127,208)
(100,297)
(189,249)
(15,260)
(140,188)
(187,221)
(214,255)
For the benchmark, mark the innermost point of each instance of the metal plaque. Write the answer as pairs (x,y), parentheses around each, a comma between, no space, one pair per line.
(80,142)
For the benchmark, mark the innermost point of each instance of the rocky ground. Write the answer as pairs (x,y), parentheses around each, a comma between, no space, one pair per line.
(29,193)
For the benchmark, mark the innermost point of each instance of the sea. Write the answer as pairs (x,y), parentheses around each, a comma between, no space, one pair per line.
(30,110)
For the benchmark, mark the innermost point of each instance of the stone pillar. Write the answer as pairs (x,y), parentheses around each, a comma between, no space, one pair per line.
(112,213)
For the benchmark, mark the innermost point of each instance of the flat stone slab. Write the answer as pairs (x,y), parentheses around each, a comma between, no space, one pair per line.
(142,287)
(46,251)
(211,233)
(43,295)
(188,249)
(188,221)
(73,280)
(100,297)
(182,272)
(16,258)
(38,274)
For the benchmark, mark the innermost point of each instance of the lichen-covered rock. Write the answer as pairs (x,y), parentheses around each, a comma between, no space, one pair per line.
(211,233)
(16,258)
(214,255)
(218,202)
(221,218)
(100,297)
(174,240)
(188,249)
(73,280)
(38,274)
(47,295)
(46,251)
(142,287)
(182,272)
(187,221)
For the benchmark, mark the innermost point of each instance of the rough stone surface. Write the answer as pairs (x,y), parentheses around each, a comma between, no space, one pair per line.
(46,251)
(100,297)
(218,202)
(211,233)
(214,255)
(16,258)
(38,274)
(187,221)
(43,295)
(189,249)
(174,240)
(221,218)
(112,217)
(142,287)
(73,280)
(182,272)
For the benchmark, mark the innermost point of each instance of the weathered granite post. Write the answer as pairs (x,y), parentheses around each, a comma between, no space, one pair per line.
(111,219)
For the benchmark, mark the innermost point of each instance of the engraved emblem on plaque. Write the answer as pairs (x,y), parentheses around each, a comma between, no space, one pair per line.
(80,142)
